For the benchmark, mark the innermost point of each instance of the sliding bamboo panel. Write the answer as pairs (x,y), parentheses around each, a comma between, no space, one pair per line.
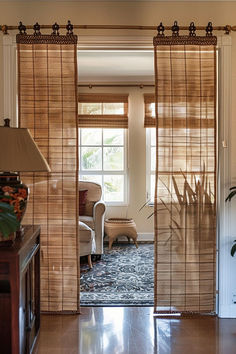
(47,78)
(185,195)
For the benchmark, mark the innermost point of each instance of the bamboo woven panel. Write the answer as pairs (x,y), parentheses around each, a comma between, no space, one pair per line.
(185,220)
(48,107)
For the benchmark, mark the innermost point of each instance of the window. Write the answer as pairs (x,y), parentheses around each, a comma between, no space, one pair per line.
(103,160)
(102,143)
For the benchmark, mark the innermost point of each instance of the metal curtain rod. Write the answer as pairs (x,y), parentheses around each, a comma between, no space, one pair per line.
(114,85)
(226,28)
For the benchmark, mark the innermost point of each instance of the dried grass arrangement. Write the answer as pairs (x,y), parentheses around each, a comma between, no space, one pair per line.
(193,209)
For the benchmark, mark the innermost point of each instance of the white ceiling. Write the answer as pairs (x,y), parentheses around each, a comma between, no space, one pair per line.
(118,66)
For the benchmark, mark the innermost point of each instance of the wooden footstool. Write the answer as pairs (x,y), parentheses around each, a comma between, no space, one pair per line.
(115,227)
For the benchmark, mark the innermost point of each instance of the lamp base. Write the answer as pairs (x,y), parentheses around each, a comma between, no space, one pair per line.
(14,192)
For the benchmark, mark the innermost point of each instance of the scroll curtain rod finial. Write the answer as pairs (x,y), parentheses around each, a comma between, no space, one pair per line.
(175,29)
(37,29)
(160,30)
(22,28)
(55,29)
(209,29)
(69,27)
(192,30)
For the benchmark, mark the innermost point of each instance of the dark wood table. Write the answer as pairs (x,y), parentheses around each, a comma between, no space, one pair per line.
(20,293)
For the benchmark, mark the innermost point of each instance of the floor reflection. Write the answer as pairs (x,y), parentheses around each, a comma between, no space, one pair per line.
(134,330)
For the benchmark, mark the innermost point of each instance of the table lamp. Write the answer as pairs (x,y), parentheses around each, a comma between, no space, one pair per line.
(18,153)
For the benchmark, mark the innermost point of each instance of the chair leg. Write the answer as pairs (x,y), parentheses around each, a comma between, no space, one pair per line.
(90,261)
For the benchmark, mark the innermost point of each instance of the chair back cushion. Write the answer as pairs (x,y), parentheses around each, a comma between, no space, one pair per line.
(82,201)
(93,195)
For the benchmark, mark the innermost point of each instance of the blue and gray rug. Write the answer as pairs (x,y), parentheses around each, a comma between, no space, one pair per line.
(123,277)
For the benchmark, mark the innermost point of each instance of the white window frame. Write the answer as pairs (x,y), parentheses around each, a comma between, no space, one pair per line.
(102,173)
(149,172)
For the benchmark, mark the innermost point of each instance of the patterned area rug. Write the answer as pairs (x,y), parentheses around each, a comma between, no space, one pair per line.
(123,277)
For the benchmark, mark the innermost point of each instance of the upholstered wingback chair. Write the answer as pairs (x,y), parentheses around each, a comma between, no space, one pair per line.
(93,213)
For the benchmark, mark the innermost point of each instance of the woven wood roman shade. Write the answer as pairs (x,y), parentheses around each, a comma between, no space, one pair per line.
(103,119)
(149,117)
(47,79)
(185,226)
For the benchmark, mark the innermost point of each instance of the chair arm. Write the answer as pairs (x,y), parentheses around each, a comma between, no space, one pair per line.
(98,210)
(98,218)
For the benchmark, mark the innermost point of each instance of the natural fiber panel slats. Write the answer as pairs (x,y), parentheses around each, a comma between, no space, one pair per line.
(104,120)
(48,107)
(109,121)
(185,223)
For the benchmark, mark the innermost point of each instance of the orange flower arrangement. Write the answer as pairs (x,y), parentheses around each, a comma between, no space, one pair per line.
(15,196)
(7,189)
(22,193)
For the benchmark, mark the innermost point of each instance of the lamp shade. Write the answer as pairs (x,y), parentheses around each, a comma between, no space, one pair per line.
(19,152)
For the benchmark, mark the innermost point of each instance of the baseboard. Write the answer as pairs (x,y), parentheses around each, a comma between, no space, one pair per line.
(227,311)
(148,236)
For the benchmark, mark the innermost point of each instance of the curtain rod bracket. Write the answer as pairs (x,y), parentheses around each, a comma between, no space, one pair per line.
(4,29)
(227,29)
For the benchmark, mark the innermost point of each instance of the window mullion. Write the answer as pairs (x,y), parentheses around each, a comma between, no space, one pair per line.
(103,186)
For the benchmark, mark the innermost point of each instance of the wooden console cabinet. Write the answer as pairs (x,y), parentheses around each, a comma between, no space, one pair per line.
(20,293)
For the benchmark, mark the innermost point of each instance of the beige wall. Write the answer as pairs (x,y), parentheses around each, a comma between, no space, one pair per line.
(120,12)
(136,13)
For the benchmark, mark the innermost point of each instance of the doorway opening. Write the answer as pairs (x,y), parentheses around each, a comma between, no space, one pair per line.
(114,158)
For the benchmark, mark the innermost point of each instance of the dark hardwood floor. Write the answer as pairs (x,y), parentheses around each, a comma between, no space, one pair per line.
(133,330)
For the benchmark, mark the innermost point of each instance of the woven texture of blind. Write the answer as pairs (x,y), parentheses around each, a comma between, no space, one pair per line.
(47,82)
(185,220)
(104,120)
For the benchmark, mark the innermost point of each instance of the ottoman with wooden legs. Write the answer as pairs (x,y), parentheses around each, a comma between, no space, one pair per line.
(115,227)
